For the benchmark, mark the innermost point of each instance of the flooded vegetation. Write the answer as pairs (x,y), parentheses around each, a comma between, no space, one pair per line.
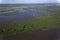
(28,19)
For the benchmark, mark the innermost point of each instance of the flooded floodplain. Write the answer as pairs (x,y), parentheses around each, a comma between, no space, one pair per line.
(32,21)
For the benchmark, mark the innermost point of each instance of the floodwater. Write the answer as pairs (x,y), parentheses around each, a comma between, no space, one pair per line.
(24,14)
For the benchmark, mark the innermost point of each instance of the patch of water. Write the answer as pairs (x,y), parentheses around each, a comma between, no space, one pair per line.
(22,14)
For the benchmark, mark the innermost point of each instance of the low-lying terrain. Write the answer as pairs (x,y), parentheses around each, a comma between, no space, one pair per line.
(45,21)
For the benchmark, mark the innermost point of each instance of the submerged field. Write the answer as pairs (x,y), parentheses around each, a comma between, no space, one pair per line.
(47,20)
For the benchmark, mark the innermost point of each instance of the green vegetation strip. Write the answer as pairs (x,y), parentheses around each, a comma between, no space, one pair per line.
(3,9)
